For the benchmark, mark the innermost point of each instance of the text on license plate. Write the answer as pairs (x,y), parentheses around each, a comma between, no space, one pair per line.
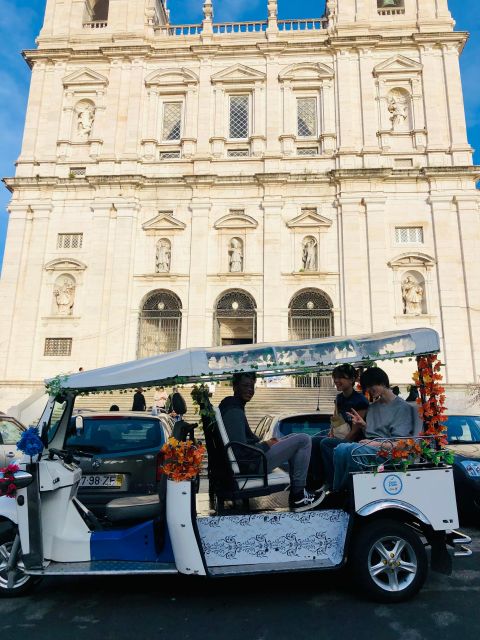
(102,480)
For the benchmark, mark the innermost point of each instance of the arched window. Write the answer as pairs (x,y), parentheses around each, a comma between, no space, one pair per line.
(235,318)
(160,324)
(310,315)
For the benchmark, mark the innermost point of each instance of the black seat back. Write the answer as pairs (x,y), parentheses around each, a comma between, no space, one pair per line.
(220,472)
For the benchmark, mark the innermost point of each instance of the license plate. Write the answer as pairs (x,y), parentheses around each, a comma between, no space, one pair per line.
(102,480)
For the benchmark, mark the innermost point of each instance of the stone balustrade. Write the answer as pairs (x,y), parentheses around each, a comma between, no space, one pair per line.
(96,24)
(227,28)
(302,25)
(391,12)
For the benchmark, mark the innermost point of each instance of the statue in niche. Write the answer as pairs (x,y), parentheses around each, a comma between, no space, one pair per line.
(309,256)
(398,110)
(412,296)
(85,120)
(235,253)
(64,295)
(163,257)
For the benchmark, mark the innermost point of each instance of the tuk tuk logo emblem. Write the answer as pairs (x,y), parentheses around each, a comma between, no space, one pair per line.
(96,463)
(393,485)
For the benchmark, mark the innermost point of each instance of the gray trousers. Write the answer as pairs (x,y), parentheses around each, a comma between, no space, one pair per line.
(294,449)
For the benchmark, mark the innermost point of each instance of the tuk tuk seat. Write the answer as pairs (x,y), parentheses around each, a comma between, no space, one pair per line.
(143,507)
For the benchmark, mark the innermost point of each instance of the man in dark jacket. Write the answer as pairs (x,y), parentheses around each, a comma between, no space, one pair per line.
(294,449)
(139,403)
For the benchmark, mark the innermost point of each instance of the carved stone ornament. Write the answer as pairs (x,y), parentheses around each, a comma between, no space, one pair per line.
(310,254)
(85,119)
(64,295)
(164,256)
(412,295)
(235,253)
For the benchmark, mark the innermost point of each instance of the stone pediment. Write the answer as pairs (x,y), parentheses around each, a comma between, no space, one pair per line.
(236,221)
(171,77)
(238,74)
(309,220)
(398,65)
(65,264)
(83,77)
(164,222)
(408,260)
(302,72)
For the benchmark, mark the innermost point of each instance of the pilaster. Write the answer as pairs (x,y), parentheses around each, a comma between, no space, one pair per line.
(196,334)
(272,281)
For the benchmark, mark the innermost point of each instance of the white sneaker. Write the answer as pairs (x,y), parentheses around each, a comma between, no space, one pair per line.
(307,501)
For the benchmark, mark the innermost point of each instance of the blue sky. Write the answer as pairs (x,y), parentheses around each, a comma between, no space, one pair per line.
(21,22)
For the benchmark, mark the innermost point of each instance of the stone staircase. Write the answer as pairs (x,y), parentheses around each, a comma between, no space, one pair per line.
(265,401)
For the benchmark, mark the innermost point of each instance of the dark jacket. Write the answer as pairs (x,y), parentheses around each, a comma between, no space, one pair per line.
(139,403)
(238,430)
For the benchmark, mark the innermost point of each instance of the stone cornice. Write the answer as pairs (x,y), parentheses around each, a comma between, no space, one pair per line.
(319,41)
(334,176)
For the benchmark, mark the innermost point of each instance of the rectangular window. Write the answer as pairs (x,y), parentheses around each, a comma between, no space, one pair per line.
(307,151)
(58,347)
(306,117)
(169,155)
(238,153)
(239,117)
(172,121)
(409,235)
(69,240)
(78,172)
(390,7)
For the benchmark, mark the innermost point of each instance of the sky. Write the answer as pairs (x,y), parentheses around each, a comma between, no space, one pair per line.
(21,22)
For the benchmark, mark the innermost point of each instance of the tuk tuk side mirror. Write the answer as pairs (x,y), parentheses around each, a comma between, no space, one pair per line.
(79,425)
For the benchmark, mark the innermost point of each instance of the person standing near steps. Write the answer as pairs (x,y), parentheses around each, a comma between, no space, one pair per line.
(294,449)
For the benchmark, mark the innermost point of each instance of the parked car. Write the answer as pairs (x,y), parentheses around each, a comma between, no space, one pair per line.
(464,441)
(119,455)
(278,426)
(10,433)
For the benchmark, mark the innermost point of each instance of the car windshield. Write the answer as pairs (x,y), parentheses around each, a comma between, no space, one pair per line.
(311,424)
(463,429)
(114,434)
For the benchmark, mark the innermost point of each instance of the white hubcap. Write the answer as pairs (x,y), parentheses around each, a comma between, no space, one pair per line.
(19,576)
(392,563)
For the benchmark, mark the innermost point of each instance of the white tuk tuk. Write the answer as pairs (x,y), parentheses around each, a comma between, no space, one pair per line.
(395,510)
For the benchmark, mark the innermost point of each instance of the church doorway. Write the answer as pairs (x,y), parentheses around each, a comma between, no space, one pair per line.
(160,324)
(235,319)
(310,316)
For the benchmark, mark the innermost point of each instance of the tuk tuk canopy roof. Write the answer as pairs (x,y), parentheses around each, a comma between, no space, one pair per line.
(268,359)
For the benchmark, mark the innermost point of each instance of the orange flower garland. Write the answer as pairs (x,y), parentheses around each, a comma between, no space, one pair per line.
(432,398)
(182,460)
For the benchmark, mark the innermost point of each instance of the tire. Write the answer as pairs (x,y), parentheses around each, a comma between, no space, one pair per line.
(374,545)
(23,583)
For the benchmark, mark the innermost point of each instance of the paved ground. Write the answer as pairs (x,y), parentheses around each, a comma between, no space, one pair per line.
(313,606)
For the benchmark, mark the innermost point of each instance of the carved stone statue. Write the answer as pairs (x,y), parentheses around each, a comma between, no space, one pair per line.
(235,256)
(398,110)
(163,257)
(412,296)
(65,297)
(309,256)
(85,120)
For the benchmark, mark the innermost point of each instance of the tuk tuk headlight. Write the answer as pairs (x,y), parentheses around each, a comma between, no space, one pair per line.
(472,467)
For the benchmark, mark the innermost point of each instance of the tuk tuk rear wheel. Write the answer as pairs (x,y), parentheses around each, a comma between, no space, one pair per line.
(22,582)
(389,561)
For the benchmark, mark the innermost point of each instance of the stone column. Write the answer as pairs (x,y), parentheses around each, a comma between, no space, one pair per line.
(258,137)
(469,236)
(370,106)
(205,96)
(349,115)
(135,105)
(149,142)
(381,305)
(288,118)
(461,150)
(329,132)
(218,140)
(112,108)
(195,333)
(274,119)
(451,287)
(189,138)
(356,310)
(435,106)
(272,281)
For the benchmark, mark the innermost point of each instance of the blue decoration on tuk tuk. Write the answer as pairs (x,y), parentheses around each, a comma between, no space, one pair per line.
(136,543)
(30,443)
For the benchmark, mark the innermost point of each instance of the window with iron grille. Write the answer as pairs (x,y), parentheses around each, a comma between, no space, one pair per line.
(170,155)
(78,172)
(69,240)
(391,7)
(238,153)
(172,120)
(307,151)
(409,235)
(239,124)
(306,117)
(58,347)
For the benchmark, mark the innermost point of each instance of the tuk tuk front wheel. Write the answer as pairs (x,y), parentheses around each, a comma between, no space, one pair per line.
(389,561)
(13,580)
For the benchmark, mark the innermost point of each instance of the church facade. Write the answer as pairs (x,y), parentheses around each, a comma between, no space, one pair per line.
(191,185)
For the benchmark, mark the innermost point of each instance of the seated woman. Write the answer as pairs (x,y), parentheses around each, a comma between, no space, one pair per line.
(389,416)
(321,462)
